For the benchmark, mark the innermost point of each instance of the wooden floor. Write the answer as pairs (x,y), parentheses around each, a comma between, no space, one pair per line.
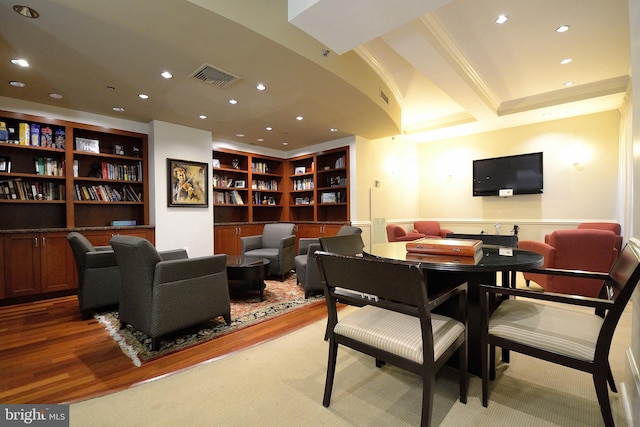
(48,354)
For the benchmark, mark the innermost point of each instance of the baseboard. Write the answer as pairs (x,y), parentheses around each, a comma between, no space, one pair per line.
(630,390)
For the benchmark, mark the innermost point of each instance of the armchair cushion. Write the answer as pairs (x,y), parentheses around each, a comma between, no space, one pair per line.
(430,229)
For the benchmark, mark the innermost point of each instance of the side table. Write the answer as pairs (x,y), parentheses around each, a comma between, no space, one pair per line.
(247,275)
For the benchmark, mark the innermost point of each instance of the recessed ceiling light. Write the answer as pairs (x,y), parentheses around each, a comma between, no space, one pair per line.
(299,118)
(269,128)
(17,84)
(202,116)
(166,75)
(260,86)
(118,109)
(333,130)
(143,96)
(233,101)
(26,11)
(260,139)
(20,62)
(569,83)
(285,143)
(56,96)
(562,29)
(240,135)
(565,61)
(501,19)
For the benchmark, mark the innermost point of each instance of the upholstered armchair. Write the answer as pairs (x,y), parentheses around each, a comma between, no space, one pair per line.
(306,267)
(609,226)
(98,274)
(430,229)
(277,244)
(396,233)
(584,249)
(160,297)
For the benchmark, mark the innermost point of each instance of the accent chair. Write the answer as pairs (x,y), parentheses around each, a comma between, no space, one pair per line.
(396,233)
(556,329)
(277,243)
(589,250)
(306,267)
(399,327)
(430,229)
(160,297)
(610,226)
(98,274)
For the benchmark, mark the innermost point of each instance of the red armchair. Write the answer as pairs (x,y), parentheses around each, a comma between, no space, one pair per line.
(583,249)
(395,233)
(610,226)
(430,229)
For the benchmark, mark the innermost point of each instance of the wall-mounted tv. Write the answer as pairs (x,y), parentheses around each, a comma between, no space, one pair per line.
(521,173)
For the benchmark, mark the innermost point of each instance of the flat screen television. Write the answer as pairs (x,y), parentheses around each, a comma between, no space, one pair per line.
(522,174)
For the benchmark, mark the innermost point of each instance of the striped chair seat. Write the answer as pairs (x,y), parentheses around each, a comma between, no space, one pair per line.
(398,333)
(548,327)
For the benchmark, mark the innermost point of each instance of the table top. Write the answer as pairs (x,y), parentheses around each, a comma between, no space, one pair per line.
(494,258)
(239,261)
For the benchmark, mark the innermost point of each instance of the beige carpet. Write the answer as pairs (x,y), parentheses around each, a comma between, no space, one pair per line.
(280,383)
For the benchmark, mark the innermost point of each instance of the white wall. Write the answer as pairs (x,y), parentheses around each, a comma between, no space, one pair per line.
(178,227)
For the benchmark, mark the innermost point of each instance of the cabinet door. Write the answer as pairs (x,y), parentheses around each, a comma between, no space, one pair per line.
(22,264)
(226,240)
(56,263)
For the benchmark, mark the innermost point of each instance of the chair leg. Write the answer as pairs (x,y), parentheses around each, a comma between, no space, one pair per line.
(427,398)
(331,370)
(492,362)
(227,318)
(484,371)
(600,382)
(526,282)
(463,372)
(380,363)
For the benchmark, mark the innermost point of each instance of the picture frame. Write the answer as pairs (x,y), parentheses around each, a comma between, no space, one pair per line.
(187,183)
(299,170)
(118,149)
(329,198)
(87,145)
(215,163)
(240,183)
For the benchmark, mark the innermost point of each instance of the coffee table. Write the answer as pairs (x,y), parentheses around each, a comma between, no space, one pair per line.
(247,275)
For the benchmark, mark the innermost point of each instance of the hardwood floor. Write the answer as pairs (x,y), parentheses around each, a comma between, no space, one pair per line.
(48,354)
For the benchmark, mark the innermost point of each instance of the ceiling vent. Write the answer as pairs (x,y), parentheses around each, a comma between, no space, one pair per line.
(213,76)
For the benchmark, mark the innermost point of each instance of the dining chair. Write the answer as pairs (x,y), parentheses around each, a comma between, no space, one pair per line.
(398,327)
(542,325)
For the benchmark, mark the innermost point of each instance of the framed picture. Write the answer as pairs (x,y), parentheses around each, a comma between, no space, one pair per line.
(239,183)
(118,149)
(187,183)
(299,170)
(216,163)
(88,145)
(329,198)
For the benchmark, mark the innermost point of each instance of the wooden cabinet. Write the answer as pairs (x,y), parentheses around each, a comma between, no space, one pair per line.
(37,263)
(226,238)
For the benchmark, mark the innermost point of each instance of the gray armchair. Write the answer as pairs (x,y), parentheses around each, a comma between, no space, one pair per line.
(159,297)
(98,274)
(307,272)
(277,244)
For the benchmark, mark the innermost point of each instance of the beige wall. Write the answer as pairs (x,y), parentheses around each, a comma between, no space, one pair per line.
(572,192)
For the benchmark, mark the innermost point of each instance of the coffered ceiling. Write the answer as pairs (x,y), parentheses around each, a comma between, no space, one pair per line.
(428,69)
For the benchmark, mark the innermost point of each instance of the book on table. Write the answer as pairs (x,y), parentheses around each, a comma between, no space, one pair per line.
(457,247)
(446,259)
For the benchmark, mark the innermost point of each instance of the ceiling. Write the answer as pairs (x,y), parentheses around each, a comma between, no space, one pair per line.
(427,69)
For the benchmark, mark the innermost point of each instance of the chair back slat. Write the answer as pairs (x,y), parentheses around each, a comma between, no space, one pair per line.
(388,280)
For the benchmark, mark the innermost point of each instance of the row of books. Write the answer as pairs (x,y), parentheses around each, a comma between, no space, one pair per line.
(303,184)
(121,172)
(49,166)
(18,189)
(106,193)
(222,181)
(260,167)
(265,185)
(227,198)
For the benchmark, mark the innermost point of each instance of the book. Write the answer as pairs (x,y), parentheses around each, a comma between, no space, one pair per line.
(459,247)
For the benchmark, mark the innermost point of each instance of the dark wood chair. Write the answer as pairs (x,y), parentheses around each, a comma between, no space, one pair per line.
(397,326)
(577,339)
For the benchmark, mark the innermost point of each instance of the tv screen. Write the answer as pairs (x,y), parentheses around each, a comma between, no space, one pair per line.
(521,173)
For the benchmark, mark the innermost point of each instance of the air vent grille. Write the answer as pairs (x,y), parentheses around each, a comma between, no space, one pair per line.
(214,76)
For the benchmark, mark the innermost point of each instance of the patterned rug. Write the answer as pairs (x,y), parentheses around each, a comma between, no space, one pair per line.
(246,310)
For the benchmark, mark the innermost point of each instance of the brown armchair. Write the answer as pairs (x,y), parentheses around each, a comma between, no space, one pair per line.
(430,229)
(395,233)
(589,250)
(610,226)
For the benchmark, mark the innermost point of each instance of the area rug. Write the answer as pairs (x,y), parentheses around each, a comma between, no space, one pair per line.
(246,310)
